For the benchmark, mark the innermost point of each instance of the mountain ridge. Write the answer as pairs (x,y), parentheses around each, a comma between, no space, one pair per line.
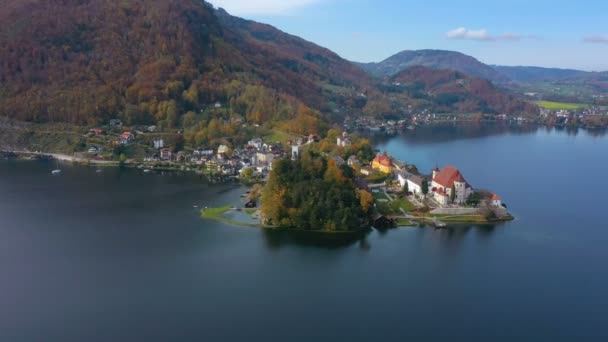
(454,60)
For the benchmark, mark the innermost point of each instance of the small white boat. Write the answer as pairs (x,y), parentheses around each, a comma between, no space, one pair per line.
(146,170)
(99,171)
(56,172)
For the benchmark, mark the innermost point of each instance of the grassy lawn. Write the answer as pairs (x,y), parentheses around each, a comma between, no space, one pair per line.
(215,213)
(405,204)
(251,211)
(404,223)
(380,196)
(275,136)
(560,105)
(377,177)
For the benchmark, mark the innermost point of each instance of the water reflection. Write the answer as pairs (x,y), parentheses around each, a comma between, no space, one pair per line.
(449,238)
(447,132)
(277,239)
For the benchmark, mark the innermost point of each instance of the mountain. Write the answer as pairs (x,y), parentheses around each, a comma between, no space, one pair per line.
(86,61)
(454,91)
(537,74)
(436,59)
(168,62)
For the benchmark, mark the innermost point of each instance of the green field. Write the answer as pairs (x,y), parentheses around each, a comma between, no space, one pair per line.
(560,105)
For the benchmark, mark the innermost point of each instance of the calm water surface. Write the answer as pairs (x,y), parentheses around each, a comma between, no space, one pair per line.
(123,256)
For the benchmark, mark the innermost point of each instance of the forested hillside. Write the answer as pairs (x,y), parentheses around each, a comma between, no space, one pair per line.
(178,64)
(453,91)
(149,61)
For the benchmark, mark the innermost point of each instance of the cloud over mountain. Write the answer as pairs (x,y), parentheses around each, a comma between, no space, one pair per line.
(597,39)
(482,35)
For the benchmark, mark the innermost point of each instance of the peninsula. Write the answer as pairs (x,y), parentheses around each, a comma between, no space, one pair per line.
(338,184)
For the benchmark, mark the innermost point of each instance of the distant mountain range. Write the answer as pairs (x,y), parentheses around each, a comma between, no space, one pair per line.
(436,59)
(451,60)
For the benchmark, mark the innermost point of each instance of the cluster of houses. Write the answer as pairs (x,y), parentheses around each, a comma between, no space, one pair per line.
(446,187)
(256,154)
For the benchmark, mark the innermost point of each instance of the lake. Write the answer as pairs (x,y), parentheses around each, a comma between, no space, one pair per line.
(125,256)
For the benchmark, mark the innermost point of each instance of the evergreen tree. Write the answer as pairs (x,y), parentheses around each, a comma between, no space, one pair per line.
(453,193)
(425,187)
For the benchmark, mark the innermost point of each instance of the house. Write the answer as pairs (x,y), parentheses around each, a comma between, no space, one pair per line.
(353,162)
(94,150)
(295,151)
(158,143)
(222,150)
(312,138)
(496,200)
(152,157)
(203,152)
(383,164)
(126,138)
(97,131)
(339,161)
(264,158)
(115,123)
(366,171)
(151,128)
(343,140)
(166,154)
(383,222)
(414,183)
(447,180)
(257,143)
(218,105)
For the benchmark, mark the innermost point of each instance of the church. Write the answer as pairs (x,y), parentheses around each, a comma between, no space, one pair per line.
(447,180)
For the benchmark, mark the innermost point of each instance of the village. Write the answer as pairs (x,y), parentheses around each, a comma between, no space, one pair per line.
(403,195)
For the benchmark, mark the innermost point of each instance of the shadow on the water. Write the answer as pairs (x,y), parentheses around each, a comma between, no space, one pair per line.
(276,239)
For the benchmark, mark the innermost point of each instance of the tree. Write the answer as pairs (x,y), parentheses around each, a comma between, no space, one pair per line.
(122,159)
(247,173)
(406,189)
(366,200)
(425,187)
(453,193)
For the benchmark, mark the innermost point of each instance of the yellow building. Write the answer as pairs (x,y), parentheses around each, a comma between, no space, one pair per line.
(383,164)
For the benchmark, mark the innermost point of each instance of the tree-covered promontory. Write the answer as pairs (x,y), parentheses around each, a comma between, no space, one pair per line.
(315,193)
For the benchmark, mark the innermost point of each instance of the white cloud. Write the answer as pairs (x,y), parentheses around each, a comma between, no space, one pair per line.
(466,34)
(483,35)
(598,39)
(262,7)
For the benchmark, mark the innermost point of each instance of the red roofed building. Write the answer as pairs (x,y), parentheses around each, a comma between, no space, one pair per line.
(496,200)
(383,164)
(126,138)
(445,181)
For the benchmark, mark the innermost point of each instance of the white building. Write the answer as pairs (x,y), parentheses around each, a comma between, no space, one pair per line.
(257,143)
(447,180)
(343,140)
(414,183)
(158,143)
(496,200)
(264,158)
(295,151)
(221,151)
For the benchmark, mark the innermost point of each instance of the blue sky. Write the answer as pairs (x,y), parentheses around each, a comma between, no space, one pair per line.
(559,33)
